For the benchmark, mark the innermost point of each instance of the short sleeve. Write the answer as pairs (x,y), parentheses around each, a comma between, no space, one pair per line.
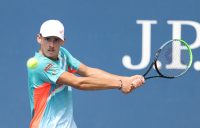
(51,72)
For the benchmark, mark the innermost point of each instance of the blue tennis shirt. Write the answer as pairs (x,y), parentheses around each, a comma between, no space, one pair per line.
(51,104)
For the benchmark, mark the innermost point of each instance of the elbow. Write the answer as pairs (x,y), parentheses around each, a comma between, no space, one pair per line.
(72,80)
(79,85)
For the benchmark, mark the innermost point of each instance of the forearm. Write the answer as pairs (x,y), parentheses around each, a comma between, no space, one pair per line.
(124,80)
(98,73)
(95,83)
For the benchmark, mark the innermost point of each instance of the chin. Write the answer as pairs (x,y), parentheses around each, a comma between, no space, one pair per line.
(53,57)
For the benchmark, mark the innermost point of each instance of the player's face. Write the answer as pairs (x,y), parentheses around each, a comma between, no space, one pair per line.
(50,46)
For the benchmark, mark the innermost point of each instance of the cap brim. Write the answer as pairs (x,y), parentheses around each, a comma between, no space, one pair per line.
(62,38)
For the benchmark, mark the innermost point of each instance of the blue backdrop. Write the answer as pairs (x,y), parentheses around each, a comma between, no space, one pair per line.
(100,33)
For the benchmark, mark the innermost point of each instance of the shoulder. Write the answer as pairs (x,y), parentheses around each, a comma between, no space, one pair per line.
(64,51)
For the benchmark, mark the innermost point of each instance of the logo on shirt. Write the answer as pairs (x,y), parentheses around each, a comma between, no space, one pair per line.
(48,67)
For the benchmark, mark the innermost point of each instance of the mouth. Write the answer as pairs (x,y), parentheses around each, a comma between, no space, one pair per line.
(51,50)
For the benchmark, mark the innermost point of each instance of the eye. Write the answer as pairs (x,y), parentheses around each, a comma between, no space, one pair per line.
(56,39)
(47,38)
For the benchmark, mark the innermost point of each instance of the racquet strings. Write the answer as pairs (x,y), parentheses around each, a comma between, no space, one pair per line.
(174,59)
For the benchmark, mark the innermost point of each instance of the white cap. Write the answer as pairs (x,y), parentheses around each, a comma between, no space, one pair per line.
(52,28)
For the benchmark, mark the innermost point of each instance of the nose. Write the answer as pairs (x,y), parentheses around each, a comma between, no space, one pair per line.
(51,43)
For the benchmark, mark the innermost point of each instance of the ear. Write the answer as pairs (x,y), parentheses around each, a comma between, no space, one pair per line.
(39,38)
(65,40)
(62,42)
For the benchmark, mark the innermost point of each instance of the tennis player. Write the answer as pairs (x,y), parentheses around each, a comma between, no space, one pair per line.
(51,81)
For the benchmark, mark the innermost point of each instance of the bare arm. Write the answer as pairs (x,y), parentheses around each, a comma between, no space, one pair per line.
(135,81)
(88,83)
(97,73)
(96,79)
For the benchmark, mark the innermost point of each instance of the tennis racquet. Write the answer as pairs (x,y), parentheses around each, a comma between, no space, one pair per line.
(173,59)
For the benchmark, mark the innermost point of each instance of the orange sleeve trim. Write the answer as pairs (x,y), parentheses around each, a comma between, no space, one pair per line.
(71,70)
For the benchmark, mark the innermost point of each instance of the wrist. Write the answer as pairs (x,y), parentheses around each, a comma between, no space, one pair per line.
(121,85)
